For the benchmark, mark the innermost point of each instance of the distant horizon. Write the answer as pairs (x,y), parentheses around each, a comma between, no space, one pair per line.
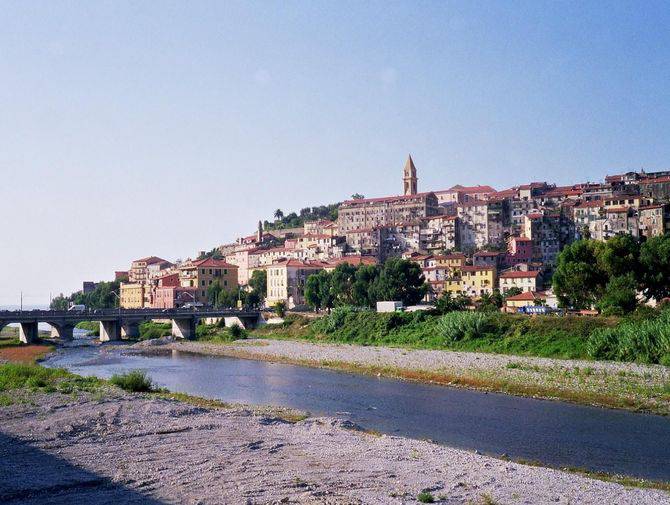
(136,129)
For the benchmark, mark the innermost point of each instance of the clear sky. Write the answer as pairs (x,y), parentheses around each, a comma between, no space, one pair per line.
(130,129)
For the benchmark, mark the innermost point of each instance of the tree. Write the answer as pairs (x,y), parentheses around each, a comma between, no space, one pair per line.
(313,292)
(259,283)
(342,284)
(620,296)
(447,303)
(655,267)
(620,256)
(363,282)
(278,214)
(357,196)
(214,294)
(399,279)
(579,279)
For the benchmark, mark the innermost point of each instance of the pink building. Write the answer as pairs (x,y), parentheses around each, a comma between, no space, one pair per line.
(519,250)
(170,297)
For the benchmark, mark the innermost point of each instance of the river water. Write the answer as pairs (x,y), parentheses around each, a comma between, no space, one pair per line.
(550,432)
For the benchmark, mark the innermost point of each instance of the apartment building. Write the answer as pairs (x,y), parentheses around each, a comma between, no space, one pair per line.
(286,281)
(524,280)
(201,274)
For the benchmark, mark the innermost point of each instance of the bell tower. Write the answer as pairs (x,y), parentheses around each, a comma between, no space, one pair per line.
(409,177)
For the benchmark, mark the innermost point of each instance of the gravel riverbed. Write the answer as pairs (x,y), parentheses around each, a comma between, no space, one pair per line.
(122,448)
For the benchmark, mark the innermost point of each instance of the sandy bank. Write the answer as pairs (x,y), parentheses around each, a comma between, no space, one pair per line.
(133,449)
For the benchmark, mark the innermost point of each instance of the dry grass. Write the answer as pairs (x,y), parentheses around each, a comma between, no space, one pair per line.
(24,353)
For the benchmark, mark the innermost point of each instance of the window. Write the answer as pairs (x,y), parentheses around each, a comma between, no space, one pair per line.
(202,283)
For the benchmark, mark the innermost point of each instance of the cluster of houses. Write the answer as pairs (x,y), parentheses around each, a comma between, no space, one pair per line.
(467,240)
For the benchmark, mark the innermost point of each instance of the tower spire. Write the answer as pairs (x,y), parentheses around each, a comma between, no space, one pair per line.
(409,178)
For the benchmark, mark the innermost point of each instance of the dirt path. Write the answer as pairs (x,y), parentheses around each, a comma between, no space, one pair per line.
(133,449)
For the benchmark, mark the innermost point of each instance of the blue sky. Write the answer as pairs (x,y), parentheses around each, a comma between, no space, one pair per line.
(137,128)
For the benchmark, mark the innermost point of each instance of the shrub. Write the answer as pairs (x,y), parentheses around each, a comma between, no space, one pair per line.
(635,339)
(456,326)
(425,497)
(236,331)
(135,381)
(18,375)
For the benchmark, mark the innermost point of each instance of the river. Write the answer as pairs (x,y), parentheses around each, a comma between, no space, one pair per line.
(551,432)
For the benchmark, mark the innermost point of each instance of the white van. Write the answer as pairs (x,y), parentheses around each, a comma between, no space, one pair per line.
(77,308)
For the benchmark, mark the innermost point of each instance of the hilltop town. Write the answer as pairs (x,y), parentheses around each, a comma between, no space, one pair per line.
(468,241)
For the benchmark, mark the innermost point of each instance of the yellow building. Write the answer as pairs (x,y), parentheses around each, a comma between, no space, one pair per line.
(131,296)
(456,260)
(476,281)
(202,274)
(286,281)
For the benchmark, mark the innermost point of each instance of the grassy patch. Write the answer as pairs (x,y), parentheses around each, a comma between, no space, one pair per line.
(217,333)
(568,337)
(14,376)
(151,329)
(135,381)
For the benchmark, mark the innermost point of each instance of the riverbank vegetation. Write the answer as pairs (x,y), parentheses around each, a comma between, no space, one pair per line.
(92,327)
(611,275)
(642,337)
(104,296)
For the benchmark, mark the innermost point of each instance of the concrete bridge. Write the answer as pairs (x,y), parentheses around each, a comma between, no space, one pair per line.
(118,323)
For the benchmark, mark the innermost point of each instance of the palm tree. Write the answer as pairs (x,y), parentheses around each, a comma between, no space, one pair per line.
(278,214)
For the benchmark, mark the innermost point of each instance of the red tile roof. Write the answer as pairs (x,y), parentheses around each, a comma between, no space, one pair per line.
(519,275)
(211,262)
(526,296)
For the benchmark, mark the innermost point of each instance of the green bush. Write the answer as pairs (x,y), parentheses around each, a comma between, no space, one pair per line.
(93,327)
(635,339)
(456,326)
(18,375)
(236,331)
(150,330)
(135,381)
(425,497)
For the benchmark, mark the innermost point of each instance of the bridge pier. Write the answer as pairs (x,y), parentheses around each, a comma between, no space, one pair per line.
(110,330)
(28,332)
(184,328)
(63,332)
(130,330)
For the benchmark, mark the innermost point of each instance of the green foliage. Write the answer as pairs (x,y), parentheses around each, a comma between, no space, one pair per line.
(280,308)
(620,296)
(135,381)
(545,336)
(448,303)
(399,279)
(102,297)
(655,266)
(425,497)
(456,326)
(294,220)
(150,330)
(17,375)
(259,286)
(645,341)
(578,280)
(214,254)
(236,331)
(93,327)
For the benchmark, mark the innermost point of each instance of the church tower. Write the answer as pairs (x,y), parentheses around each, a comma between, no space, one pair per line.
(409,177)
